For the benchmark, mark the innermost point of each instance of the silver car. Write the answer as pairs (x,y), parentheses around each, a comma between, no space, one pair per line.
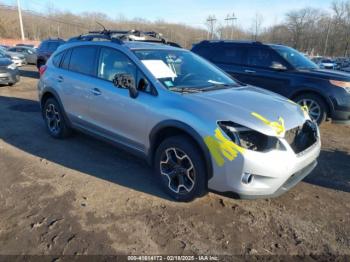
(199,128)
(28,53)
(9,74)
(16,58)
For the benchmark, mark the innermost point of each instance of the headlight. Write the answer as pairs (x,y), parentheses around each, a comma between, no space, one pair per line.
(12,66)
(345,85)
(250,139)
(15,57)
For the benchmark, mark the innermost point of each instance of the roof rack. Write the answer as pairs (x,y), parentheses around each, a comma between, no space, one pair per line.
(120,36)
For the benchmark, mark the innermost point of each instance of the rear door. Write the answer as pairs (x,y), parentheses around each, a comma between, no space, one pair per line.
(77,79)
(257,69)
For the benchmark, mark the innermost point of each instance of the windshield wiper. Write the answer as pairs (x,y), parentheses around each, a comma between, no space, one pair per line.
(218,86)
(185,89)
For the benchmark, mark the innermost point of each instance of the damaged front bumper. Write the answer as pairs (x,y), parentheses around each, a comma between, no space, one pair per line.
(265,174)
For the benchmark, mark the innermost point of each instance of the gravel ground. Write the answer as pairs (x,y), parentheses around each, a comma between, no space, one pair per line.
(82,196)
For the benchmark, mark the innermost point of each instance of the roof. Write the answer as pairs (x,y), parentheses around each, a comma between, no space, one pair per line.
(238,42)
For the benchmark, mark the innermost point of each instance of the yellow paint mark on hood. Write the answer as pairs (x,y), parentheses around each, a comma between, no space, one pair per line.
(278,126)
(220,147)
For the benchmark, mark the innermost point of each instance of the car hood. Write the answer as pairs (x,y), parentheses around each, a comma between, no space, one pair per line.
(241,105)
(325,74)
(12,54)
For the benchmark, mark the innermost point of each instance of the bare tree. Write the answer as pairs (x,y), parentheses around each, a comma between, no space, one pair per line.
(257,25)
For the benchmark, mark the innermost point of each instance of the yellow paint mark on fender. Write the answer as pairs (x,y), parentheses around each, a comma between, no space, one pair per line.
(220,147)
(278,126)
(305,110)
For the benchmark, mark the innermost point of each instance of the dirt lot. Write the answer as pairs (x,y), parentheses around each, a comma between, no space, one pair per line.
(82,196)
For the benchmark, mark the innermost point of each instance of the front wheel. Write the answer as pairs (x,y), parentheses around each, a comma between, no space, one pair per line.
(316,106)
(180,168)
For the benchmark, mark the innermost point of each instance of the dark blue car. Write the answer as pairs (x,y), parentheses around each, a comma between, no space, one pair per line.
(283,70)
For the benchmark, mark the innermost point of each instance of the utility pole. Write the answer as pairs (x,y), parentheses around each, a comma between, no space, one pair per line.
(20,19)
(232,19)
(326,43)
(211,20)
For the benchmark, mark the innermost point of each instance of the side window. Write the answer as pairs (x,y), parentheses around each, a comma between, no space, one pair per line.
(57,59)
(43,46)
(112,62)
(52,46)
(82,60)
(66,59)
(228,54)
(262,57)
(204,51)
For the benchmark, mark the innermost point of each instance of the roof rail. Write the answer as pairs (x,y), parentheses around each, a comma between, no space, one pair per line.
(119,36)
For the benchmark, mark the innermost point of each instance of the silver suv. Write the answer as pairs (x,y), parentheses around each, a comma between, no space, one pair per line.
(198,127)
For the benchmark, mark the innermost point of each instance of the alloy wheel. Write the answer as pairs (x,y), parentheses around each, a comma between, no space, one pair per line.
(53,119)
(313,107)
(178,168)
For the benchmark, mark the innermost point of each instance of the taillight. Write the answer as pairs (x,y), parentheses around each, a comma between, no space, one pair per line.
(42,70)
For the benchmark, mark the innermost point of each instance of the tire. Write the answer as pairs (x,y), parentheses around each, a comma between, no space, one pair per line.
(172,174)
(11,84)
(313,102)
(52,112)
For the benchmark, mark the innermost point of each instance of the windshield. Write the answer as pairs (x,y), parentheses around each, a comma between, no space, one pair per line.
(181,69)
(296,59)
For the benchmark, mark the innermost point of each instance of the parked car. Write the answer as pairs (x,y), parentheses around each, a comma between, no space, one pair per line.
(197,126)
(5,46)
(9,74)
(327,64)
(26,45)
(17,58)
(28,52)
(283,70)
(45,50)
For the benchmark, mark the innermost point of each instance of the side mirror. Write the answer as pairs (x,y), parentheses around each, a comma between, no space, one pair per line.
(142,85)
(278,66)
(126,81)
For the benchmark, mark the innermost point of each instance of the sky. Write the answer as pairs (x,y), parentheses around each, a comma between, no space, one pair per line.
(190,12)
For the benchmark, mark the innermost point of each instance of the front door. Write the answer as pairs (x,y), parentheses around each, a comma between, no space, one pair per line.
(114,113)
(258,70)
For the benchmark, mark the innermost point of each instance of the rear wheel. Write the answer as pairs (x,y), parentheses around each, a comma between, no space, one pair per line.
(180,168)
(316,106)
(54,120)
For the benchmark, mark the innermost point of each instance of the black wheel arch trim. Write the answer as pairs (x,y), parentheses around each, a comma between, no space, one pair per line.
(186,129)
(52,92)
(305,90)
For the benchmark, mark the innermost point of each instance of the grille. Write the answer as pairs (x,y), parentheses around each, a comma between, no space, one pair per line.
(301,138)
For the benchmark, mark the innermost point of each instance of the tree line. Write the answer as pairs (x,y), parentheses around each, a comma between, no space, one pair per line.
(311,30)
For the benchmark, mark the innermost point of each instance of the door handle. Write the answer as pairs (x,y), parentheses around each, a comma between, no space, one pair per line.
(96,91)
(60,79)
(249,71)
